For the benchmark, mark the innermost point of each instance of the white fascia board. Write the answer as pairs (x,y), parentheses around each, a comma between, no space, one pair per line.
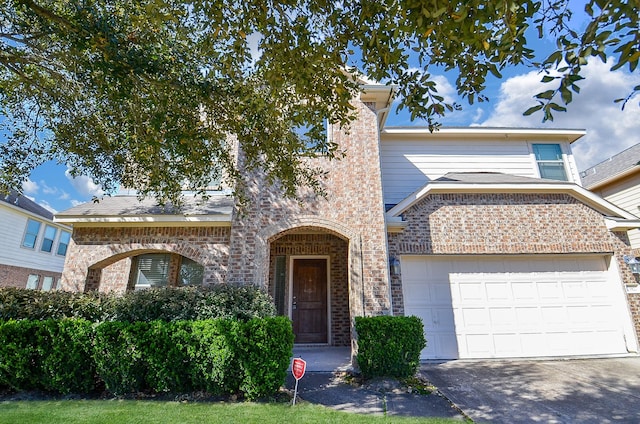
(617,224)
(395,224)
(574,190)
(147,221)
(568,134)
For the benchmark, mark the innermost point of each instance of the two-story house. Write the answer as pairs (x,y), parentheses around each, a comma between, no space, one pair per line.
(484,233)
(33,247)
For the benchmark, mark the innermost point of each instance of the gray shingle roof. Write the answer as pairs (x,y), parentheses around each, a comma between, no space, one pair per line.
(23,202)
(491,178)
(611,167)
(132,206)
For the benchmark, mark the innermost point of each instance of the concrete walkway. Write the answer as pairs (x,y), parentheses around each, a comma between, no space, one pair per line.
(602,390)
(324,384)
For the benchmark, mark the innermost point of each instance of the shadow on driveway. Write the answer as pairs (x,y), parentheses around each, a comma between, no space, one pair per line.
(547,391)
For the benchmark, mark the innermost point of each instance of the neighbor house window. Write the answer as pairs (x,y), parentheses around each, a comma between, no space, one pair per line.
(550,163)
(31,234)
(47,283)
(49,237)
(63,243)
(32,282)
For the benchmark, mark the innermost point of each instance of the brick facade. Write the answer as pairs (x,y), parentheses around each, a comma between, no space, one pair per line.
(319,244)
(100,258)
(507,224)
(348,226)
(14,276)
(353,210)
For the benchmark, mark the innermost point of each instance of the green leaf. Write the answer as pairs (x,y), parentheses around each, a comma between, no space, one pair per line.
(532,110)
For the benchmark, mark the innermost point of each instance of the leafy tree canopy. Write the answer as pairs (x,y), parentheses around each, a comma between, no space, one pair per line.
(145,93)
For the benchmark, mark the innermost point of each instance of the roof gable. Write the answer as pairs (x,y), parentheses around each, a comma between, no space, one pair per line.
(617,166)
(22,202)
(488,182)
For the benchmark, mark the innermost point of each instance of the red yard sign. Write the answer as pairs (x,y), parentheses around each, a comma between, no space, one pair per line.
(298,367)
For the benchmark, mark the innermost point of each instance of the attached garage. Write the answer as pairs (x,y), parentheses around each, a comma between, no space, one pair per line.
(518,306)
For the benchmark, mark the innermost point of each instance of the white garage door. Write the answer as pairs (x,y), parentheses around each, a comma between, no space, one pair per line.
(521,306)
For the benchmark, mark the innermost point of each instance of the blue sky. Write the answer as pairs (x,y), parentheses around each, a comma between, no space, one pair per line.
(609,129)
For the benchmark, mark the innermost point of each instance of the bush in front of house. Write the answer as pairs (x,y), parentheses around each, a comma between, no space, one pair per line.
(221,356)
(389,346)
(52,355)
(165,304)
(18,304)
(193,303)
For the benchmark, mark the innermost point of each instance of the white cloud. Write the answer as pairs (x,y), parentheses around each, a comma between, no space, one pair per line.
(30,187)
(47,206)
(46,189)
(84,185)
(76,202)
(609,130)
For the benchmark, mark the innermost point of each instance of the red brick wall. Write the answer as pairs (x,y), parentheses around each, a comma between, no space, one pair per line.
(501,224)
(13,276)
(107,252)
(353,209)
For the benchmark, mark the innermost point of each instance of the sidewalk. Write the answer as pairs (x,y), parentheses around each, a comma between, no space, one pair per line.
(324,384)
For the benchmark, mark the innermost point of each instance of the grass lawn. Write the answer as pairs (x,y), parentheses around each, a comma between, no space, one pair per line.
(132,411)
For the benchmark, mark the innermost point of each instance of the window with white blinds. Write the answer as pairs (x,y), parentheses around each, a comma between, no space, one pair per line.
(152,271)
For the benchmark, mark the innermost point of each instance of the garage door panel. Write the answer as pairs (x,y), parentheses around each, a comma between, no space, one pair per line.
(503,319)
(516,307)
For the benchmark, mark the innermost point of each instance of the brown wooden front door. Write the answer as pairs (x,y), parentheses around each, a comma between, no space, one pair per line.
(309,302)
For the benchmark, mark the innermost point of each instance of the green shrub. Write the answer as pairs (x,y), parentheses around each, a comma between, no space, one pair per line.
(118,356)
(164,348)
(166,304)
(389,346)
(213,356)
(65,356)
(38,305)
(266,348)
(19,356)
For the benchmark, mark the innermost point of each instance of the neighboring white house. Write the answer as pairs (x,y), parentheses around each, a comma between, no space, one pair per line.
(32,246)
(617,179)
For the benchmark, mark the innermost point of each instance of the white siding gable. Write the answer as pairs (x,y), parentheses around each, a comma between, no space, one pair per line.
(411,159)
(13,223)
(625,194)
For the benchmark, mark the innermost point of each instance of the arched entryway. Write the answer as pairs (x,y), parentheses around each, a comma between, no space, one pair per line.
(309,281)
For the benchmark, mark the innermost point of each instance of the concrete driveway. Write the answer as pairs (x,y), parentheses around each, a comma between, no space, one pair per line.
(545,391)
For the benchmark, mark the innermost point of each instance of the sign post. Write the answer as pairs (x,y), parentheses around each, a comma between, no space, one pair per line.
(298,367)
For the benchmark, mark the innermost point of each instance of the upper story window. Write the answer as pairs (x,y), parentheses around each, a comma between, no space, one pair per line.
(63,243)
(549,160)
(31,234)
(49,237)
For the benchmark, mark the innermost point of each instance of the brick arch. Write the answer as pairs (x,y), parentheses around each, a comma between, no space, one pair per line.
(109,256)
(114,253)
(298,224)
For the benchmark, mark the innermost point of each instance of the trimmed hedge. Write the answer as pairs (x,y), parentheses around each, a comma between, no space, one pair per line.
(218,356)
(389,346)
(166,304)
(47,355)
